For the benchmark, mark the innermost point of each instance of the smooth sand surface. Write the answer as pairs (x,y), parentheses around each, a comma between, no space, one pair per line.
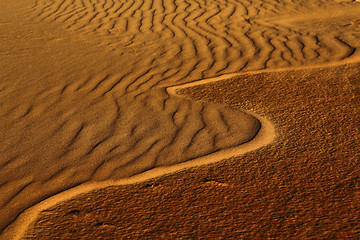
(87,90)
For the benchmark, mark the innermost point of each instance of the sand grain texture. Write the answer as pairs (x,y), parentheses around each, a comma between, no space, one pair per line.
(306,185)
(83,83)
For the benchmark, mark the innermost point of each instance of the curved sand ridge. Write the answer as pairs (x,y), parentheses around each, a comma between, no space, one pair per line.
(264,136)
(67,121)
(279,188)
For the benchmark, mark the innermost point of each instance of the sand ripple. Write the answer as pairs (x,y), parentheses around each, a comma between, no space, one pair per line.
(121,121)
(220,36)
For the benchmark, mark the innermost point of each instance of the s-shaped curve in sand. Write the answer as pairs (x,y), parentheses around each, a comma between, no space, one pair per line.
(264,136)
(100,122)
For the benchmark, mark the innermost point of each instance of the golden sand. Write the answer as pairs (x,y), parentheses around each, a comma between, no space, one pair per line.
(306,185)
(101,93)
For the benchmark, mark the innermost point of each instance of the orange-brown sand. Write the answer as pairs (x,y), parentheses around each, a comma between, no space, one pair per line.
(305,186)
(88,99)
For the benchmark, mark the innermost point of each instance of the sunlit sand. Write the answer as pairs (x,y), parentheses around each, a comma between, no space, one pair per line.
(105,93)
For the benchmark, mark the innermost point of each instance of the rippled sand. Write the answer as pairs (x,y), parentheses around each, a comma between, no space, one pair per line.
(88,88)
(303,186)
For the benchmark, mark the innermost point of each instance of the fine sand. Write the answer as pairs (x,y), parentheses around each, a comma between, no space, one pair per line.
(101,93)
(306,185)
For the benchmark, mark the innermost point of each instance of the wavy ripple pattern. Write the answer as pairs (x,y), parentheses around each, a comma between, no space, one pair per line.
(114,125)
(221,36)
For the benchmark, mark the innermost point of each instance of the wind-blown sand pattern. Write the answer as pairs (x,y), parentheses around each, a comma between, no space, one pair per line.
(219,36)
(303,186)
(264,136)
(83,88)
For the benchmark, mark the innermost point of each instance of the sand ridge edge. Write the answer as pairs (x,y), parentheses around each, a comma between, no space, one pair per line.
(265,136)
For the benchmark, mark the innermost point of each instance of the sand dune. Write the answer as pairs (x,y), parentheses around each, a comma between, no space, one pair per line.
(303,186)
(83,83)
(218,37)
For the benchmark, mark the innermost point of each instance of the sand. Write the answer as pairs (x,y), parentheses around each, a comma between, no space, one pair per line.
(303,186)
(96,93)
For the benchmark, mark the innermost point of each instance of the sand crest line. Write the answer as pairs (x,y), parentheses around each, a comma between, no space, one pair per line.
(265,136)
